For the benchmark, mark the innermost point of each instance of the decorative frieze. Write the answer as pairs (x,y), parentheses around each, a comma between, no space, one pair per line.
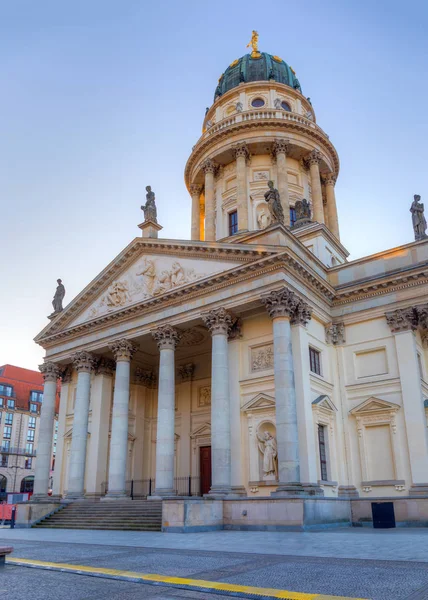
(262,358)
(185,372)
(218,321)
(123,349)
(335,334)
(84,361)
(166,337)
(105,366)
(145,377)
(285,303)
(204,396)
(51,371)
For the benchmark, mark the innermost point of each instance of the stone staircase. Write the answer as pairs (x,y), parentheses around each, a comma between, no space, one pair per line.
(123,515)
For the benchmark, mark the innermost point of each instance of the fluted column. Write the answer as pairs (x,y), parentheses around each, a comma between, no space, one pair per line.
(241,154)
(58,475)
(219,322)
(195,191)
(167,338)
(314,159)
(51,372)
(284,307)
(123,351)
(333,223)
(84,363)
(279,151)
(209,168)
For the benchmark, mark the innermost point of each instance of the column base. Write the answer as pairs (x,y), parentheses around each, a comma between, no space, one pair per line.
(119,495)
(238,490)
(44,498)
(285,490)
(75,496)
(347,491)
(218,493)
(158,494)
(418,489)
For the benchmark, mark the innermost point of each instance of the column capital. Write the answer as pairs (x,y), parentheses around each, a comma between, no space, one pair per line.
(84,361)
(195,189)
(67,374)
(403,319)
(314,158)
(209,166)
(166,336)
(51,371)
(280,146)
(241,149)
(285,303)
(123,349)
(329,179)
(145,377)
(335,333)
(218,321)
(185,372)
(105,366)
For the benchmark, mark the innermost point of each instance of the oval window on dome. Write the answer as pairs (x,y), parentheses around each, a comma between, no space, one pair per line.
(257,102)
(285,106)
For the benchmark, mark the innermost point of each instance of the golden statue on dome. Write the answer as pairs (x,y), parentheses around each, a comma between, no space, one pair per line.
(254,44)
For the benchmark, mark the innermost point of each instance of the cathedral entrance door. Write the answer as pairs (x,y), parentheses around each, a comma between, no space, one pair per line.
(205,468)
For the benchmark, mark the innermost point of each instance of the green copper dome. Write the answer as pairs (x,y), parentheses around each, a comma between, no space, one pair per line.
(265,68)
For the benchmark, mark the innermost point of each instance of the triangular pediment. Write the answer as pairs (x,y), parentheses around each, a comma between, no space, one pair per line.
(325,403)
(374,405)
(259,402)
(202,430)
(148,271)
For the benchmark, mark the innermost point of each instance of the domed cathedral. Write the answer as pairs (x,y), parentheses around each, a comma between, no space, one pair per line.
(252,376)
(260,128)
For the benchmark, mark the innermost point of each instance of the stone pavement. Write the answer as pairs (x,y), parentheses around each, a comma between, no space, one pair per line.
(379,565)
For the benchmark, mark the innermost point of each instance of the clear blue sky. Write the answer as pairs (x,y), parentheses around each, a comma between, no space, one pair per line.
(100,98)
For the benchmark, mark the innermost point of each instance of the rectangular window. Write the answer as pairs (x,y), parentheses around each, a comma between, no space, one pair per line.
(9,419)
(233,222)
(28,448)
(30,435)
(32,423)
(1,402)
(28,463)
(11,403)
(315,360)
(36,396)
(5,445)
(33,408)
(323,453)
(3,460)
(292,216)
(5,390)
(7,433)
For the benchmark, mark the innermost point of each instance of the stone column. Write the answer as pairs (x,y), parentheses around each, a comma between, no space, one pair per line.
(185,375)
(236,469)
(51,372)
(284,306)
(195,191)
(318,210)
(167,338)
(84,363)
(403,324)
(123,351)
(209,168)
(219,322)
(242,154)
(58,483)
(279,151)
(330,181)
(101,395)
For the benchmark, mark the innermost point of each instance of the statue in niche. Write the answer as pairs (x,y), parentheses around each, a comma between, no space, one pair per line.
(149,208)
(303,212)
(418,218)
(57,299)
(274,202)
(277,103)
(268,447)
(239,107)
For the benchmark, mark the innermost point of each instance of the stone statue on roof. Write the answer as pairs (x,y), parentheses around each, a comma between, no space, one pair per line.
(149,208)
(418,218)
(57,299)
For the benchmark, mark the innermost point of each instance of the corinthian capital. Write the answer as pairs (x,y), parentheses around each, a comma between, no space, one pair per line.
(314,157)
(166,337)
(281,303)
(302,315)
(241,149)
(209,166)
(280,146)
(145,377)
(105,366)
(185,372)
(335,334)
(84,361)
(329,179)
(403,319)
(218,321)
(123,349)
(195,189)
(51,371)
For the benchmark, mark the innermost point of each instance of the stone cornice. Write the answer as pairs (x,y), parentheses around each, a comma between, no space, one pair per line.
(202,149)
(286,260)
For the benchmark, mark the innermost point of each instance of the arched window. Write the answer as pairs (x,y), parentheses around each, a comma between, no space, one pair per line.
(27,484)
(257,102)
(285,106)
(3,484)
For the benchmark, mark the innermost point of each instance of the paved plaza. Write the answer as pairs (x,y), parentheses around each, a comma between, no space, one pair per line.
(355,563)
